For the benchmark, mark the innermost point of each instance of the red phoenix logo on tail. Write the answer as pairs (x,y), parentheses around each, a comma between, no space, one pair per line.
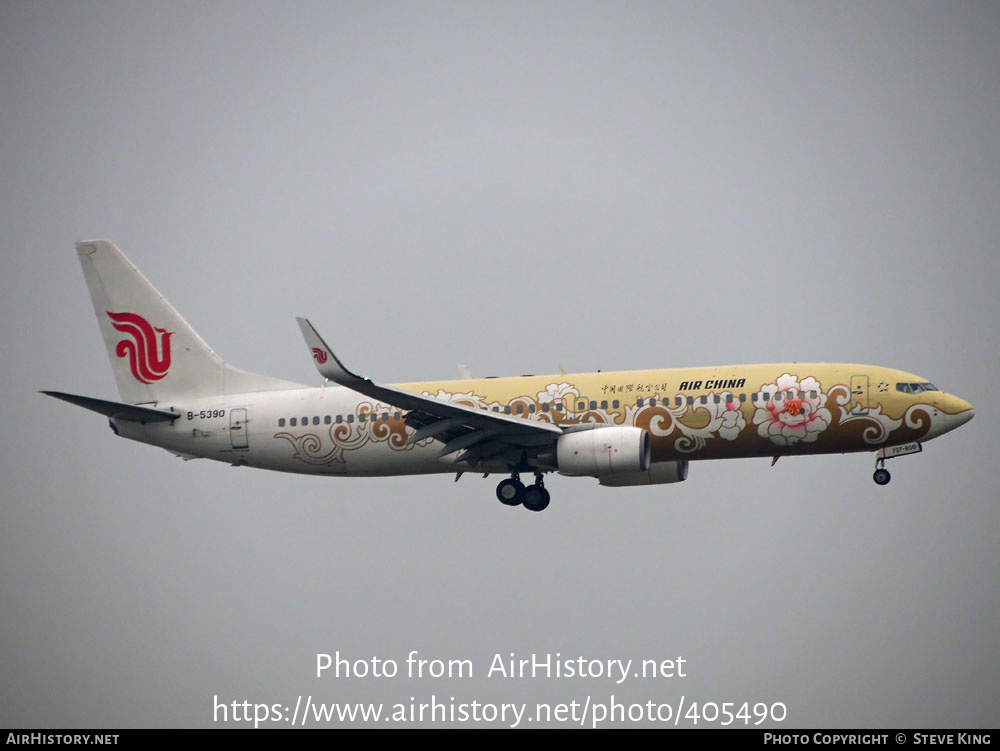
(319,355)
(148,358)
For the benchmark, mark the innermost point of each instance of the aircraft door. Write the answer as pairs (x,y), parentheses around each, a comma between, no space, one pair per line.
(238,428)
(859,395)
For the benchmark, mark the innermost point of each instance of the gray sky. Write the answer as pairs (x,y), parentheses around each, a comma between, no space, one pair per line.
(514,186)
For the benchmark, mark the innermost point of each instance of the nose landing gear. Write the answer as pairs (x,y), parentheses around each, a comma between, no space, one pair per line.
(881,476)
(512,492)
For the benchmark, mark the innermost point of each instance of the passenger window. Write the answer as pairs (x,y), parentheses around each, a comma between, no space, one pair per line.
(293,422)
(506,410)
(679,400)
(396,416)
(350,418)
(531,408)
(615,404)
(545,407)
(638,402)
(385,417)
(581,406)
(340,419)
(813,395)
(327,419)
(316,420)
(717,399)
(593,405)
(690,401)
(305,421)
(362,417)
(604,404)
(281,422)
(743,398)
(652,402)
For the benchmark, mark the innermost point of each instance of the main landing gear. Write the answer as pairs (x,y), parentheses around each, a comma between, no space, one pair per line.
(512,492)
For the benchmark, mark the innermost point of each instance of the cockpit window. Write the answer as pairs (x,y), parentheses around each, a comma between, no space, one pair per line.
(915,388)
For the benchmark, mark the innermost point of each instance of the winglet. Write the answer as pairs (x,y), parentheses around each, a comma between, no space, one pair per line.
(332,368)
(326,362)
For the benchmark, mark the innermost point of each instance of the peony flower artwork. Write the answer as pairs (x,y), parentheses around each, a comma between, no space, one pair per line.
(792,411)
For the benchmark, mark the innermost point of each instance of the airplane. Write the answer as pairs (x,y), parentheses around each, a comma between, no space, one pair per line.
(626,428)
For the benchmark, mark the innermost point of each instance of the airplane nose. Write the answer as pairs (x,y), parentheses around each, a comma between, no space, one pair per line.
(959,410)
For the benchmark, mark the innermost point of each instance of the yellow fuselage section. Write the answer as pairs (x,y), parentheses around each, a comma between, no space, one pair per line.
(730,411)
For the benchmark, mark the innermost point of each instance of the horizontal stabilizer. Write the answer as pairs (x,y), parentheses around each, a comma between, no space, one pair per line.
(116,409)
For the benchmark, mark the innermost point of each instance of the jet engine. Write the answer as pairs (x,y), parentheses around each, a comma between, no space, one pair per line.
(603,452)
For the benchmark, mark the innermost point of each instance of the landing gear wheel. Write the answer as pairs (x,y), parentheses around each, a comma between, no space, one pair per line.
(881,476)
(536,498)
(510,492)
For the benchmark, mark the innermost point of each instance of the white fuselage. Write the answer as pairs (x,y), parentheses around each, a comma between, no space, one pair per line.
(246,430)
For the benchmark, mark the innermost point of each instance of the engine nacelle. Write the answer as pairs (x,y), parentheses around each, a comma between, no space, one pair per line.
(603,451)
(657,474)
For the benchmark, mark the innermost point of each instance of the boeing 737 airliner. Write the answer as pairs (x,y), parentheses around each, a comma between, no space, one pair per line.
(623,428)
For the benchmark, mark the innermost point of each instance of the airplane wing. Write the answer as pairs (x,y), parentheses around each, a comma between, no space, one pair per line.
(480,435)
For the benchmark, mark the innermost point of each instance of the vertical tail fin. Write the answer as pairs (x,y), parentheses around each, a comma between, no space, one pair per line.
(154,352)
